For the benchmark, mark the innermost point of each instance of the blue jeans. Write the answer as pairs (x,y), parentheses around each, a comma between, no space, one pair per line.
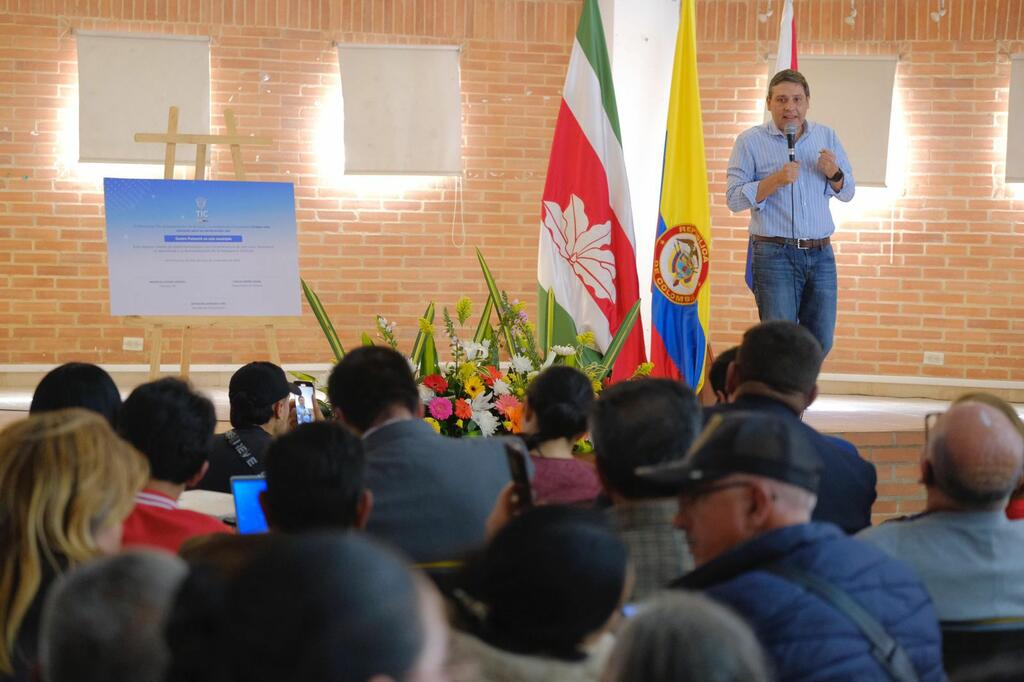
(797,285)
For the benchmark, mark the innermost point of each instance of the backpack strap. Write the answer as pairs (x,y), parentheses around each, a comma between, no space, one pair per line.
(243,451)
(889,654)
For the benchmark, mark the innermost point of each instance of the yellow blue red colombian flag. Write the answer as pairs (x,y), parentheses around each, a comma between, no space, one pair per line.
(681,293)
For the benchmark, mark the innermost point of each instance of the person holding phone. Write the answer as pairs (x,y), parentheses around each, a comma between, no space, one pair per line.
(261,409)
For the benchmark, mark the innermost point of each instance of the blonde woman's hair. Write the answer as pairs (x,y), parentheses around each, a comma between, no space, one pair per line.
(64,476)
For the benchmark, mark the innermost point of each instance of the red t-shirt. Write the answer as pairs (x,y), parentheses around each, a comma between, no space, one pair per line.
(157,521)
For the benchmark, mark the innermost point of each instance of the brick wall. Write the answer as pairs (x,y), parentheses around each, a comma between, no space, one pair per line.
(952,282)
(896,456)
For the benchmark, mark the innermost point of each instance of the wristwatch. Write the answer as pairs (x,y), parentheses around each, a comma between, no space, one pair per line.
(837,177)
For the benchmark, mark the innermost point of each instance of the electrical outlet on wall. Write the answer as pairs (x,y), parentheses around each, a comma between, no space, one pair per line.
(934,358)
(131,343)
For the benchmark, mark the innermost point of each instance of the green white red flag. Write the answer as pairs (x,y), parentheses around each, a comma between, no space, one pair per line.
(587,250)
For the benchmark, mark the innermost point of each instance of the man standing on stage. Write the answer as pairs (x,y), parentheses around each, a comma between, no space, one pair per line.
(794,269)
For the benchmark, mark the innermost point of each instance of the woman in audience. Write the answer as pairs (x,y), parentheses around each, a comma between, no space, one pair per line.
(1015,508)
(686,637)
(554,418)
(539,601)
(78,384)
(67,482)
(318,607)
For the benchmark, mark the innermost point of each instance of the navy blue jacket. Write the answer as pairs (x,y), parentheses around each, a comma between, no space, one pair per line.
(847,488)
(805,636)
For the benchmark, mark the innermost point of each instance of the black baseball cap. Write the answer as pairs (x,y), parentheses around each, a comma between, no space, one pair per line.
(742,443)
(260,384)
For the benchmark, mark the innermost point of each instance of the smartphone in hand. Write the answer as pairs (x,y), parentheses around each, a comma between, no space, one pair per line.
(518,467)
(304,402)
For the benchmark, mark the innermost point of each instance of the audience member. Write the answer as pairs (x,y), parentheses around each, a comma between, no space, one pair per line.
(555,413)
(78,384)
(261,409)
(431,494)
(686,637)
(66,484)
(1015,507)
(969,555)
(776,372)
(746,491)
(633,424)
(316,608)
(316,479)
(718,374)
(104,621)
(173,427)
(538,602)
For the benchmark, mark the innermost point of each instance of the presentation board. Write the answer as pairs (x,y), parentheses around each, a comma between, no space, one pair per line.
(202,248)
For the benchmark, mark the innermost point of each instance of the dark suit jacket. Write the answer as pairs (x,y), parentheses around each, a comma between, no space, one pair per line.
(431,494)
(847,488)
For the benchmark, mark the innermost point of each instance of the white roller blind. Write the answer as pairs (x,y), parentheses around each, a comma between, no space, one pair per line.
(853,95)
(126,84)
(1015,123)
(403,109)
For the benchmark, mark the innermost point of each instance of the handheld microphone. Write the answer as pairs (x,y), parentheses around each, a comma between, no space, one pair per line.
(791,140)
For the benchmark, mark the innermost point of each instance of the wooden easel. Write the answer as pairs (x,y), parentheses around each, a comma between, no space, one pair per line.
(155,326)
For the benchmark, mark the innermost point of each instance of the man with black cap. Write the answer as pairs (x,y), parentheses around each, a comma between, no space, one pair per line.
(260,397)
(824,605)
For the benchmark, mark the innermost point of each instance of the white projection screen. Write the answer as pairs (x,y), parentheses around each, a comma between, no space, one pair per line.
(853,95)
(1015,122)
(402,108)
(127,82)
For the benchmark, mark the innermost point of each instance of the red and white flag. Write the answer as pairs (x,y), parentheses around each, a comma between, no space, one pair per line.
(787,40)
(587,251)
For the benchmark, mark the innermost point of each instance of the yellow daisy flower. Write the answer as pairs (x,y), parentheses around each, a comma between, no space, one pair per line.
(433,423)
(473,387)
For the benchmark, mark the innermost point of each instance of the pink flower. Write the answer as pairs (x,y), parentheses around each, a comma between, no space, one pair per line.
(505,403)
(440,408)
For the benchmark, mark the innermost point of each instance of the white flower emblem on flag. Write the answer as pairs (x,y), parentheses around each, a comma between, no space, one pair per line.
(586,247)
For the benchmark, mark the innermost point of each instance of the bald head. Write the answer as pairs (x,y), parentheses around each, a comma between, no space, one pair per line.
(976,455)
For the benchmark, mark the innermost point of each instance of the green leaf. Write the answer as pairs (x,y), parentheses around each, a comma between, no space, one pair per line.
(367,341)
(485,322)
(549,326)
(619,340)
(428,362)
(492,287)
(302,376)
(421,338)
(325,322)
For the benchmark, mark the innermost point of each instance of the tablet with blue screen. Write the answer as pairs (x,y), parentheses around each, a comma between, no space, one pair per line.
(248,512)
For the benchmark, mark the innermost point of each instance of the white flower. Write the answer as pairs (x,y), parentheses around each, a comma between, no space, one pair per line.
(487,422)
(426,395)
(586,248)
(481,403)
(521,364)
(501,388)
(563,351)
(549,360)
(474,350)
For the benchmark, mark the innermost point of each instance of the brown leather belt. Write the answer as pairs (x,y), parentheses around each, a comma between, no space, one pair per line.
(798,243)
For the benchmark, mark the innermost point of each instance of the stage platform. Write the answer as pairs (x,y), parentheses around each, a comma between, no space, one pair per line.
(888,431)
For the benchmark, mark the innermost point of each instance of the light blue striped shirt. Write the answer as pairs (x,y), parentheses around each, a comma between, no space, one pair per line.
(761,151)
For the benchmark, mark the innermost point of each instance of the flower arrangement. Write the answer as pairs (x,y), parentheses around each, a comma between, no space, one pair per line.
(474,394)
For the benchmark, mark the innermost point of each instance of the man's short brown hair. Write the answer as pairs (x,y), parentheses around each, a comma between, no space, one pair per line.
(789,76)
